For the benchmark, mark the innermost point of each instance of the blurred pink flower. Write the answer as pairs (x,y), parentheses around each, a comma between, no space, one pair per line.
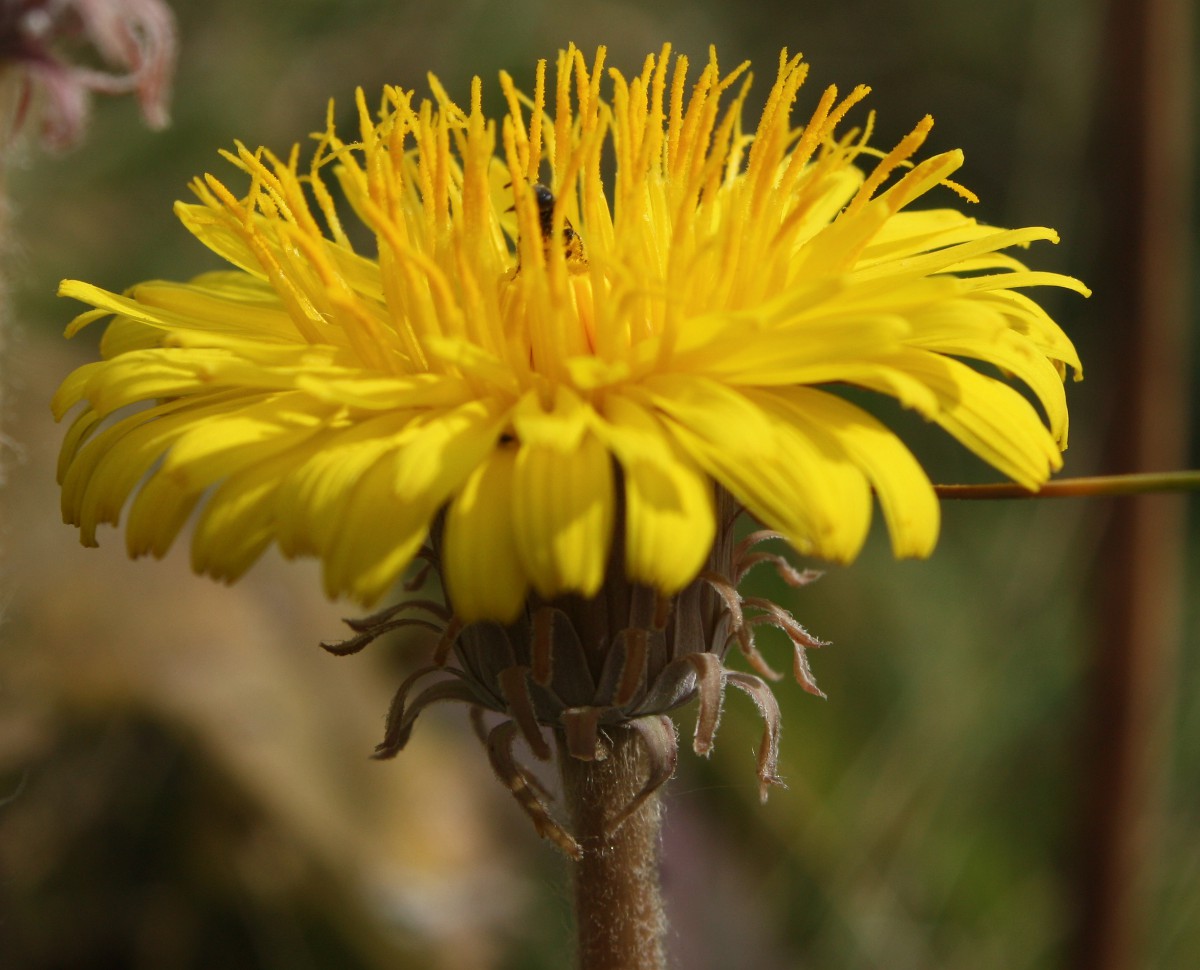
(135,38)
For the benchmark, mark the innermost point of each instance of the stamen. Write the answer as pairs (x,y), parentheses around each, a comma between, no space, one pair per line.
(893,159)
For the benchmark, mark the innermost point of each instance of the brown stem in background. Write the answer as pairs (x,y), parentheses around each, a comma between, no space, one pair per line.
(1144,119)
(618,900)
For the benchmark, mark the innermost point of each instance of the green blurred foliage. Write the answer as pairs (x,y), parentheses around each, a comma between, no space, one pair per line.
(933,807)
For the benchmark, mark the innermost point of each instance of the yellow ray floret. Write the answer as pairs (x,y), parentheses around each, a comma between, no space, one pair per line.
(526,359)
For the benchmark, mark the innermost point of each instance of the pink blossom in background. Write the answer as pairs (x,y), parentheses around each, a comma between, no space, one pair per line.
(134,39)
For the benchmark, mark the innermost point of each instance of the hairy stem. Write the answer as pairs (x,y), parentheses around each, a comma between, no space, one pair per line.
(618,901)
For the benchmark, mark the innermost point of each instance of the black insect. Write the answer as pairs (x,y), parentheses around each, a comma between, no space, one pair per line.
(572,244)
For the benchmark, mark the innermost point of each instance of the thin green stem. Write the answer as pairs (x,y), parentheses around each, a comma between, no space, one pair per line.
(1099,485)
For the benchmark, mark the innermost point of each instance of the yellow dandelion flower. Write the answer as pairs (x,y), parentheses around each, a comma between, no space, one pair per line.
(532,354)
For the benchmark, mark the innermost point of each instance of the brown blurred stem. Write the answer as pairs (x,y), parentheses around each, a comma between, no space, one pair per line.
(1143,129)
(618,900)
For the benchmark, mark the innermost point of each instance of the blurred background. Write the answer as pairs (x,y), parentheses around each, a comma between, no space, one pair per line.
(184,778)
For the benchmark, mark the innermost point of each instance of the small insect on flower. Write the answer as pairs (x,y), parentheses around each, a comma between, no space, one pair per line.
(572,243)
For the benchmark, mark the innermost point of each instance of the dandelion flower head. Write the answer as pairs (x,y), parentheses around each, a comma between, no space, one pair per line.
(586,317)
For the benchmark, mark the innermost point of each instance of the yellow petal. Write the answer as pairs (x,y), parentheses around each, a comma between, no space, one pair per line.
(74,388)
(966,330)
(988,417)
(240,518)
(106,470)
(669,515)
(312,498)
(484,576)
(563,515)
(157,513)
(124,335)
(445,449)
(249,431)
(812,495)
(148,375)
(385,516)
(905,494)
(82,428)
(821,479)
(560,425)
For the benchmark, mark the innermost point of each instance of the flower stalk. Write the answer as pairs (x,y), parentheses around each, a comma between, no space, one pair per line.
(620,921)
